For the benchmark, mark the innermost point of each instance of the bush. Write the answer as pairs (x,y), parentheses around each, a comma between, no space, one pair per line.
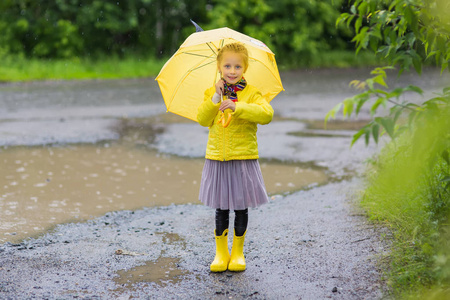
(409,191)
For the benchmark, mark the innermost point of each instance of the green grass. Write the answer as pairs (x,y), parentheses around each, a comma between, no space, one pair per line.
(345,59)
(332,59)
(19,69)
(406,192)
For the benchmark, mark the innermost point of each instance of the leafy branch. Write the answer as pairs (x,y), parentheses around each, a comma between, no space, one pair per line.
(405,33)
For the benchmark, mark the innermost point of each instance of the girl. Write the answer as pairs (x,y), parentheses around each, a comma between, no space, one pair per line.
(231,178)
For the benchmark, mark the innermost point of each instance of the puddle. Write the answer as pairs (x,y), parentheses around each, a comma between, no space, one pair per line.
(45,186)
(163,271)
(316,134)
(337,124)
(171,238)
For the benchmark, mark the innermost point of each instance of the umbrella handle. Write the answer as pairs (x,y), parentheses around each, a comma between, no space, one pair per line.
(225,122)
(222,120)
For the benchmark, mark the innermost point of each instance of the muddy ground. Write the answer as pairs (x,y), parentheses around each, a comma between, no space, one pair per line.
(308,245)
(311,242)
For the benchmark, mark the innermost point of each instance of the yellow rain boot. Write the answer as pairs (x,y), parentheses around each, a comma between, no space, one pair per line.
(222,257)
(237,261)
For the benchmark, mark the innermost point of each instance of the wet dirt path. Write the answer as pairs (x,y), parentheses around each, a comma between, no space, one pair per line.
(304,244)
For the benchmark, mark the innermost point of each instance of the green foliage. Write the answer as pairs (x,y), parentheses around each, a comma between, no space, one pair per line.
(409,186)
(408,190)
(406,33)
(298,30)
(71,28)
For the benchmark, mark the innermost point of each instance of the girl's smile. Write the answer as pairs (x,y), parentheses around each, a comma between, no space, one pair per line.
(232,67)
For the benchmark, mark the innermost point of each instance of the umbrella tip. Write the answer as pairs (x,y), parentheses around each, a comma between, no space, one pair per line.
(197,28)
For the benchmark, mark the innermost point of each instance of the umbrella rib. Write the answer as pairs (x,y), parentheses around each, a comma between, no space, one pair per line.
(184,77)
(211,48)
(193,54)
(201,66)
(266,68)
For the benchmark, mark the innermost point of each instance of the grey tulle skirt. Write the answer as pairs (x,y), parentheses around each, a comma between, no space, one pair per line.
(234,184)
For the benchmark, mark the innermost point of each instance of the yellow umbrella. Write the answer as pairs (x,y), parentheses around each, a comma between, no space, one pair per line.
(193,69)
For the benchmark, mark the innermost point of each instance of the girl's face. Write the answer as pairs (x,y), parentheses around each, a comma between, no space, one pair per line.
(232,67)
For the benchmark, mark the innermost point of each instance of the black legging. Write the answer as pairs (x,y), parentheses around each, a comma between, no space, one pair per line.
(223,220)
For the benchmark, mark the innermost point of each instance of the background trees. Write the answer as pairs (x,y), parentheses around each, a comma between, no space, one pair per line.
(67,28)
(297,30)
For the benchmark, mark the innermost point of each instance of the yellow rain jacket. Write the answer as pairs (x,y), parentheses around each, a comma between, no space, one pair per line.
(238,140)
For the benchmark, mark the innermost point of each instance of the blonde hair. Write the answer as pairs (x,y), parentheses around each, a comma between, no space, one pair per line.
(236,48)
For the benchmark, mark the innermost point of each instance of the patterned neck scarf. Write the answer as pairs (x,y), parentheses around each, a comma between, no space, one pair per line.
(231,89)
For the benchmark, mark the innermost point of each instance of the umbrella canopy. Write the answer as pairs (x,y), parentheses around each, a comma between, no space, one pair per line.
(193,69)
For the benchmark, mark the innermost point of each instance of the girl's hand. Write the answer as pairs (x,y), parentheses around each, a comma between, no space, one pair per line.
(227,104)
(220,87)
